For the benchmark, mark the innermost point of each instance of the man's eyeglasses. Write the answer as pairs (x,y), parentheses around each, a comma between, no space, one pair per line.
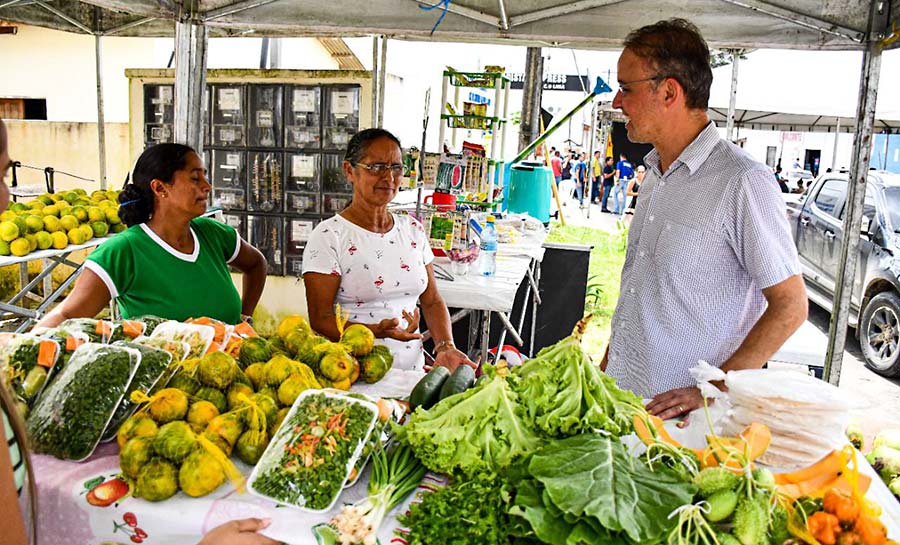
(378,169)
(625,86)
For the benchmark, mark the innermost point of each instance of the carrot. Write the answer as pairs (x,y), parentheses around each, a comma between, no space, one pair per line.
(245,329)
(132,328)
(47,353)
(72,343)
(104,329)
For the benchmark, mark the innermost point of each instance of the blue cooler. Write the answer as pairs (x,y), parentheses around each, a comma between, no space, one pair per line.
(529,190)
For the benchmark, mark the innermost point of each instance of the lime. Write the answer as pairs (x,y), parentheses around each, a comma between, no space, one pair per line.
(4,248)
(76,236)
(60,240)
(51,224)
(100,229)
(9,231)
(68,222)
(34,224)
(19,247)
(44,240)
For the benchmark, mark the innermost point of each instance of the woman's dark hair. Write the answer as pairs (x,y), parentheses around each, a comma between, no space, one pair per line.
(676,49)
(159,162)
(358,145)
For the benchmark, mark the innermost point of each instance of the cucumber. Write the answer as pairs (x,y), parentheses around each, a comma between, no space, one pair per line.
(427,391)
(461,380)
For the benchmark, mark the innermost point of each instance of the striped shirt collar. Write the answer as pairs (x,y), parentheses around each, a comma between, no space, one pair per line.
(693,156)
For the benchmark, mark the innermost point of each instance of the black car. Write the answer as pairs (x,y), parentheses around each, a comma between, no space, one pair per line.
(817,223)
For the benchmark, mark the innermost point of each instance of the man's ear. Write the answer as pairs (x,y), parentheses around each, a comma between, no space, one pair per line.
(672,91)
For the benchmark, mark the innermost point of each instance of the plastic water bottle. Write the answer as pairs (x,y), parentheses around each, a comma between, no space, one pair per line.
(487,263)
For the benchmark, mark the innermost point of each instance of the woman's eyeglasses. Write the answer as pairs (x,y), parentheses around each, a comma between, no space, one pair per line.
(380,168)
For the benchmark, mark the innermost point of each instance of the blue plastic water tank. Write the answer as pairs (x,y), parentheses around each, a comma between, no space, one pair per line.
(529,190)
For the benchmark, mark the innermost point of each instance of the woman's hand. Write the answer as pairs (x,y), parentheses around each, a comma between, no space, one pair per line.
(451,358)
(389,328)
(239,532)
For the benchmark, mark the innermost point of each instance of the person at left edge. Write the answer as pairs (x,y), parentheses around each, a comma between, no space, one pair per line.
(170,262)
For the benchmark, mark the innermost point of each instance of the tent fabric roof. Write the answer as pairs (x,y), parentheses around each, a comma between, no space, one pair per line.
(783,121)
(591,24)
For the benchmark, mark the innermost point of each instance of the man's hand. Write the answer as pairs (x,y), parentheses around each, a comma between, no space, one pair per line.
(239,532)
(674,403)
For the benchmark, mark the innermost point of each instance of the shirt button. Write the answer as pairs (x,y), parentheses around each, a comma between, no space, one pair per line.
(650,218)
(662,184)
(642,253)
(630,290)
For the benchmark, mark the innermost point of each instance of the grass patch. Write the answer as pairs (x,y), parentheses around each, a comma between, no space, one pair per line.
(604,275)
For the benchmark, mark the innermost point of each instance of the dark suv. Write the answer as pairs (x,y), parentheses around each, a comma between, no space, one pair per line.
(817,223)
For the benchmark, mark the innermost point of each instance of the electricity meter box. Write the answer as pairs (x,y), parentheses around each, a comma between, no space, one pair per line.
(229,115)
(266,234)
(341,115)
(266,189)
(303,128)
(266,116)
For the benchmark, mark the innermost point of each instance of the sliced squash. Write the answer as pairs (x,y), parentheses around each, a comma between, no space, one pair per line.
(830,464)
(749,445)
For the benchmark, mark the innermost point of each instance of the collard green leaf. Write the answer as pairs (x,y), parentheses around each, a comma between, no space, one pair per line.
(592,476)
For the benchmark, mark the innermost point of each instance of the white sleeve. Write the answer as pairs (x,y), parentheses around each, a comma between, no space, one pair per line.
(321,253)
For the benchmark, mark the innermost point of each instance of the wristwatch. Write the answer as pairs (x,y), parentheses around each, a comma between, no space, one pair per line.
(247,318)
(439,347)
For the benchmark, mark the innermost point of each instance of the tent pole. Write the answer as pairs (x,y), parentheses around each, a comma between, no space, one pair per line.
(382,81)
(531,96)
(837,135)
(101,119)
(856,194)
(590,169)
(375,80)
(729,130)
(190,82)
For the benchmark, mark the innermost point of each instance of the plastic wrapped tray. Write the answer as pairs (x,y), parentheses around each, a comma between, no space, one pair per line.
(179,349)
(199,337)
(155,367)
(304,465)
(97,331)
(69,418)
(127,330)
(26,362)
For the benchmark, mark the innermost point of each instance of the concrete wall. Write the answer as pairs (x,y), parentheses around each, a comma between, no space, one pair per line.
(69,147)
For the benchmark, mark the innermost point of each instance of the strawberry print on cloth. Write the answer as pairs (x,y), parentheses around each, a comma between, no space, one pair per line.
(381,274)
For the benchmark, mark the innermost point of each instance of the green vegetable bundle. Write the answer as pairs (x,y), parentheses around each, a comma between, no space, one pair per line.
(589,489)
(564,393)
(69,418)
(477,431)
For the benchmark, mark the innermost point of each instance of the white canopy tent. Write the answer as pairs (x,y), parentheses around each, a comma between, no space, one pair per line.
(869,26)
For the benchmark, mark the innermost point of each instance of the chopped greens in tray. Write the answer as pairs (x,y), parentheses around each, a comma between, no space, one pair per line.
(178,349)
(154,364)
(314,450)
(70,416)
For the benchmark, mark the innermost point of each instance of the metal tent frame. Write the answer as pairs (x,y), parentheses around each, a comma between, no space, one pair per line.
(869,26)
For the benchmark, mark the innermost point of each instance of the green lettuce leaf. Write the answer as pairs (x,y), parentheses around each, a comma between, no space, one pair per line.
(474,432)
(593,476)
(565,393)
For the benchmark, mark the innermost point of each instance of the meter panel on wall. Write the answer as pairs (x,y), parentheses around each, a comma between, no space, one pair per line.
(341,115)
(333,178)
(231,200)
(296,234)
(229,169)
(266,181)
(301,204)
(334,203)
(229,115)
(159,114)
(302,172)
(239,222)
(266,116)
(303,126)
(266,234)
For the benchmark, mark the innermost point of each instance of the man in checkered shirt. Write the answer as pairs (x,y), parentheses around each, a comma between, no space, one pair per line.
(711,271)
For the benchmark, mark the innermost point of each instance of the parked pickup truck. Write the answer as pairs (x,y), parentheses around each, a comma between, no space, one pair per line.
(816,220)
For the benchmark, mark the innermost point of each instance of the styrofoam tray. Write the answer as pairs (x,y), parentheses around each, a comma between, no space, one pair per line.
(274,452)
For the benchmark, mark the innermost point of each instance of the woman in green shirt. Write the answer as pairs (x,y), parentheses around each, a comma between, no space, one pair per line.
(170,262)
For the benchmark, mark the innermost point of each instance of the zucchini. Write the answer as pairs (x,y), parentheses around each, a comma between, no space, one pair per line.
(428,390)
(461,380)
